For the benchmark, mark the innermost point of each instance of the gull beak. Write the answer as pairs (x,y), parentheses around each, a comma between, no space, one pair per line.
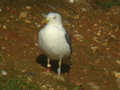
(45,21)
(44,15)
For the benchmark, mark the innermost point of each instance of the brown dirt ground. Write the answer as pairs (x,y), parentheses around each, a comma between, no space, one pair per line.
(95,37)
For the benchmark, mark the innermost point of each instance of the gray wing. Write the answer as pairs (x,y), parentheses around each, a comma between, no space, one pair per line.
(68,39)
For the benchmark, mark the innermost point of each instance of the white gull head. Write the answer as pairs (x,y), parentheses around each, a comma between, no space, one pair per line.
(54,18)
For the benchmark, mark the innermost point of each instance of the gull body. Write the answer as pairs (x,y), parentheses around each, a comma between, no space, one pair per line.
(54,40)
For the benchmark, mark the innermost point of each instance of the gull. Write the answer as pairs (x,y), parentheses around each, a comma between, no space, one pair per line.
(54,40)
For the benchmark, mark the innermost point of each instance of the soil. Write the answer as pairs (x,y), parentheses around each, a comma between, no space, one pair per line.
(95,35)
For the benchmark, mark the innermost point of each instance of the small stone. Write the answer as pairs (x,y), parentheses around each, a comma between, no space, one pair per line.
(8,55)
(113,36)
(23,70)
(118,82)
(71,1)
(23,15)
(31,73)
(28,7)
(6,38)
(95,25)
(107,49)
(108,13)
(29,79)
(93,86)
(117,74)
(11,16)
(94,49)
(89,29)
(27,21)
(36,44)
(83,9)
(118,61)
(79,37)
(105,43)
(0,25)
(0,10)
(3,48)
(81,26)
(3,72)
(72,26)
(76,17)
(8,20)
(99,21)
(98,33)
(51,89)
(4,27)
(38,25)
(95,39)
(44,87)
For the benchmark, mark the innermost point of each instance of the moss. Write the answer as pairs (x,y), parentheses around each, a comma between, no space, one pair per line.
(108,4)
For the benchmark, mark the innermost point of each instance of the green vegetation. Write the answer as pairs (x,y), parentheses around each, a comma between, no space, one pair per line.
(107,4)
(18,84)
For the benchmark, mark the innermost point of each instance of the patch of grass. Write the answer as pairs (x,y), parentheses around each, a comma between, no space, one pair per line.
(78,88)
(107,4)
(18,84)
(2,55)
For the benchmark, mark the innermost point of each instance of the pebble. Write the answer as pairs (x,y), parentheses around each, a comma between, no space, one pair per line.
(95,25)
(98,33)
(94,49)
(83,9)
(27,21)
(23,70)
(8,20)
(38,25)
(105,43)
(116,74)
(23,14)
(29,79)
(0,10)
(44,87)
(28,7)
(51,89)
(71,1)
(12,16)
(3,48)
(118,61)
(93,86)
(99,21)
(3,72)
(31,73)
(79,37)
(36,44)
(76,17)
(95,39)
(4,27)
(0,25)
(118,83)
(5,38)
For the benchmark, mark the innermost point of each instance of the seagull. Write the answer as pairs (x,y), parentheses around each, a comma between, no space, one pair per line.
(54,40)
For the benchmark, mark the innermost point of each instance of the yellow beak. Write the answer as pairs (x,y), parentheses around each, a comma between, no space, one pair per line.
(45,21)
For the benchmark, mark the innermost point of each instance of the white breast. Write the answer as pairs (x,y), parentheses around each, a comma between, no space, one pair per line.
(52,41)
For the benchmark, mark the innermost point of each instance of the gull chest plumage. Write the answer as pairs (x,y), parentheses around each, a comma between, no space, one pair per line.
(54,40)
(57,47)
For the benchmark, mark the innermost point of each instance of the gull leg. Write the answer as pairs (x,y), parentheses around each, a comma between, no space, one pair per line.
(48,65)
(59,77)
(59,68)
(48,68)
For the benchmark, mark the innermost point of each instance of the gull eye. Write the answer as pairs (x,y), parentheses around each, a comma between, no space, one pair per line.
(54,17)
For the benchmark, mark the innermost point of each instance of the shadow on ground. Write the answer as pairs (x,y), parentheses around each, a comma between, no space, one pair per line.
(42,59)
